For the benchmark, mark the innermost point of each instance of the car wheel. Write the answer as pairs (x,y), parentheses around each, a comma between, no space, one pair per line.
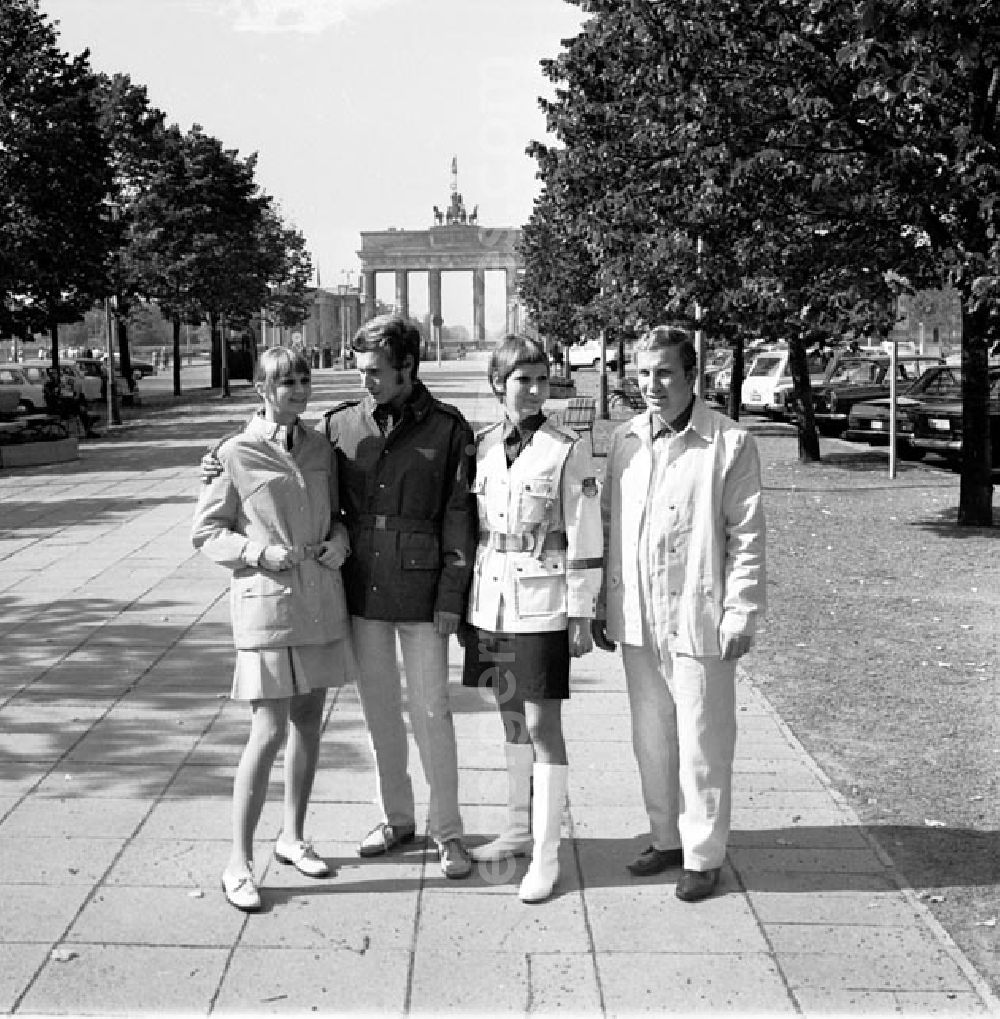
(27,406)
(597,364)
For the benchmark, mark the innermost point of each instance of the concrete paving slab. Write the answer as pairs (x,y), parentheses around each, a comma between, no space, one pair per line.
(337,980)
(105,979)
(882,1003)
(18,964)
(461,921)
(182,863)
(878,903)
(38,913)
(690,984)
(446,982)
(41,745)
(563,984)
(659,921)
(330,915)
(205,817)
(54,860)
(131,915)
(793,860)
(878,969)
(801,837)
(851,939)
(74,817)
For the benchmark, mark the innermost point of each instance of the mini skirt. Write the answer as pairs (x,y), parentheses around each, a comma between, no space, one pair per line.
(268,673)
(536,665)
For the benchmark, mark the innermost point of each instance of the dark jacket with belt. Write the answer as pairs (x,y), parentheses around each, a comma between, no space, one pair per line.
(405,500)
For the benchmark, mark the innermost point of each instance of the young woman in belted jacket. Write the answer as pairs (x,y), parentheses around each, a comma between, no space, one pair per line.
(534,591)
(269,517)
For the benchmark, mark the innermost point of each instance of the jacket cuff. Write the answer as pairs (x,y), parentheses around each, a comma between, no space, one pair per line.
(252,551)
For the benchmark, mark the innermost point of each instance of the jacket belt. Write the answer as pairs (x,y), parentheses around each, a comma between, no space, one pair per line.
(386,522)
(522,541)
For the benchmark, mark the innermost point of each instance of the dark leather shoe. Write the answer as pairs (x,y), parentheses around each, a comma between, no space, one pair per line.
(383,838)
(695,885)
(654,861)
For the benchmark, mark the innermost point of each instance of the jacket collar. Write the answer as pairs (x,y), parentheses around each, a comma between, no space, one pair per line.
(260,428)
(700,423)
(419,404)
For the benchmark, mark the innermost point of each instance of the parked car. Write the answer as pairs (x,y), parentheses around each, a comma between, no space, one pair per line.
(937,423)
(852,379)
(12,381)
(95,367)
(30,387)
(769,380)
(587,354)
(868,421)
(37,372)
(716,377)
(139,365)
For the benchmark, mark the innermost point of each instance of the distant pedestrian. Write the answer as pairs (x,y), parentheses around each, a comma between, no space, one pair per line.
(684,588)
(270,517)
(534,592)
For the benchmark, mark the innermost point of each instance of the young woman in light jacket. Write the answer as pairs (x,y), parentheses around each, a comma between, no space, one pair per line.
(270,518)
(534,591)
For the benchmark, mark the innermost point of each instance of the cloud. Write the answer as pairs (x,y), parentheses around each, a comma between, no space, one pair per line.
(306,17)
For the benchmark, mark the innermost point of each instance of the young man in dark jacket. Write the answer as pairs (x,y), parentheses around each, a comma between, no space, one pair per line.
(405,460)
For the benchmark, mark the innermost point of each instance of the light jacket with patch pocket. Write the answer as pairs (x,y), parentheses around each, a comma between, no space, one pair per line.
(267,495)
(538,562)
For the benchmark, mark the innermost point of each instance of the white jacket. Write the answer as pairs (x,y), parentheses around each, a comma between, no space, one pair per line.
(686,528)
(539,556)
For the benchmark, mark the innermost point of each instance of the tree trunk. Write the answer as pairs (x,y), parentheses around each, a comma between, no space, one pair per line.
(176,323)
(54,332)
(124,354)
(216,341)
(805,419)
(975,500)
(736,380)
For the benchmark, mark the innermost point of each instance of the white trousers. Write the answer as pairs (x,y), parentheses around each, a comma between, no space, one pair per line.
(425,664)
(684,738)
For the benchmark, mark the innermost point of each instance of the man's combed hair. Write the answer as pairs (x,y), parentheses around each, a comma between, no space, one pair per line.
(394,336)
(664,337)
(278,363)
(511,352)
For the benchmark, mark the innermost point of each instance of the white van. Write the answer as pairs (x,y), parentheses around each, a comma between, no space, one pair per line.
(769,379)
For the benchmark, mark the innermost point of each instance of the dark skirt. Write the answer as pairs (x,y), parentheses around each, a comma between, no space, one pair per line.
(537,664)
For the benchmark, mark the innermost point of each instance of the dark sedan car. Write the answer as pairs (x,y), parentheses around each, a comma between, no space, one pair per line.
(937,424)
(853,379)
(869,420)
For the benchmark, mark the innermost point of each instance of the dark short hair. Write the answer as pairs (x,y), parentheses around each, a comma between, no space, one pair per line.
(510,352)
(280,362)
(665,337)
(392,335)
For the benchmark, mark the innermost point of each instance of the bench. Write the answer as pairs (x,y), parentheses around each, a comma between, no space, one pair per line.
(628,394)
(579,415)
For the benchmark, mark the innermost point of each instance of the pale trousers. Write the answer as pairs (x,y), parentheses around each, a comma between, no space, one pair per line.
(425,665)
(684,738)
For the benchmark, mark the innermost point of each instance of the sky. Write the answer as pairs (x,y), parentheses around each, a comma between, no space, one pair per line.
(355,108)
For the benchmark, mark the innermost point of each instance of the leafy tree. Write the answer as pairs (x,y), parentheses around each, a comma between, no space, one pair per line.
(54,178)
(826,153)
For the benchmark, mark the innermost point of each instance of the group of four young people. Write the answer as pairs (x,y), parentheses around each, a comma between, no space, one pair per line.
(391,522)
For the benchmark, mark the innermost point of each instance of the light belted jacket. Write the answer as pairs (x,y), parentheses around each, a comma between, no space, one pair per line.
(686,528)
(267,495)
(539,556)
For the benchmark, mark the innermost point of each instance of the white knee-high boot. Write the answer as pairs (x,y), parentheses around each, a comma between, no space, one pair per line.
(515,839)
(546,817)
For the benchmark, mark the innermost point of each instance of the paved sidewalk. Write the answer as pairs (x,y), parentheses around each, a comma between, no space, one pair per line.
(117,750)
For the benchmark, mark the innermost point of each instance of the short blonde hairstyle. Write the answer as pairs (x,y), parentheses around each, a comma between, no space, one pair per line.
(277,363)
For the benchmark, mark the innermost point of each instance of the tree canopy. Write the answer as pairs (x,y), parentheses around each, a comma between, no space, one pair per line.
(785,168)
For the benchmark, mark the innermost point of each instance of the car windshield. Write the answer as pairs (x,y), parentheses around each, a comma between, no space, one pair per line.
(945,380)
(766,364)
(857,371)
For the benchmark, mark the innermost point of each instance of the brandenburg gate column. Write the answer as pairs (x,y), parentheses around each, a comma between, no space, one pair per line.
(510,294)
(369,294)
(434,300)
(479,305)
(403,293)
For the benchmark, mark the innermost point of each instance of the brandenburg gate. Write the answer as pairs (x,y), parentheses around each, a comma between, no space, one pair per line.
(456,242)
